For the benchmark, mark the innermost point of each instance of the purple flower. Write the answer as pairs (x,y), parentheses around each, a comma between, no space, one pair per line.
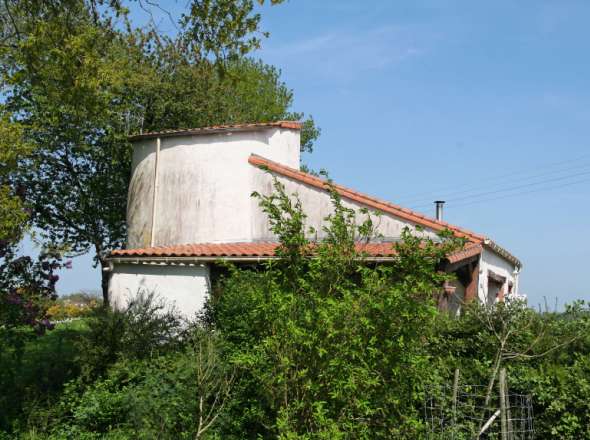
(68,264)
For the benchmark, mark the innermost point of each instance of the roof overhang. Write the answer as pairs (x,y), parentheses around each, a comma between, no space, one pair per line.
(291,125)
(499,250)
(256,253)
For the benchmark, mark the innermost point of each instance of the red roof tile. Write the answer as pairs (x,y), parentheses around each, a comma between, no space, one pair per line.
(203,250)
(292,125)
(364,199)
(262,250)
(470,250)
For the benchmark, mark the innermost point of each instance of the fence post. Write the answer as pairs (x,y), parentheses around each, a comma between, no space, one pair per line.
(455,394)
(508,413)
(502,395)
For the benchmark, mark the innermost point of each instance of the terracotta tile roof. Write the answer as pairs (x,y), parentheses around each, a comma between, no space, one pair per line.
(470,250)
(262,250)
(364,199)
(293,125)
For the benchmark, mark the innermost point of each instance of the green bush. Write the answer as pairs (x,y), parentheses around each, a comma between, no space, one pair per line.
(547,356)
(146,327)
(332,347)
(168,396)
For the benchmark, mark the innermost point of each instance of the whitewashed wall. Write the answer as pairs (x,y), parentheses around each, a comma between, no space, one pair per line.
(317,205)
(491,261)
(203,185)
(185,287)
(141,194)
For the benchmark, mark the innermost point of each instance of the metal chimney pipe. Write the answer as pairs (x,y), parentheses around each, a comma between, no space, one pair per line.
(439,209)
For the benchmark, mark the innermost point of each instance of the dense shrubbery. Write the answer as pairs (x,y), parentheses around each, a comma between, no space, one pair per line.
(331,347)
(303,348)
(546,355)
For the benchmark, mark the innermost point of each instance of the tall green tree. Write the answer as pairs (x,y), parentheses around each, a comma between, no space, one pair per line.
(79,77)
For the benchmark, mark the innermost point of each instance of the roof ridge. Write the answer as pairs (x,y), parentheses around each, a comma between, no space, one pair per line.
(365,199)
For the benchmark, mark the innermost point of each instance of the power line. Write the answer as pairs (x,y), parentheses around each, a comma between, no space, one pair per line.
(473,202)
(512,188)
(509,182)
(429,194)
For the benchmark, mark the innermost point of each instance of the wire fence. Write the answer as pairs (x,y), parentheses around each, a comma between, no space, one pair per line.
(461,412)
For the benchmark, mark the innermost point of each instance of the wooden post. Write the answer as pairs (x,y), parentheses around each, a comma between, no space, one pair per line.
(502,396)
(508,415)
(455,394)
(472,287)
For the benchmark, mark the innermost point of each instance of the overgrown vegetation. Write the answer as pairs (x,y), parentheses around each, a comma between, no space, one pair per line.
(321,347)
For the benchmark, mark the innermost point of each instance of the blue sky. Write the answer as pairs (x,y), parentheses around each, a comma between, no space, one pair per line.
(483,104)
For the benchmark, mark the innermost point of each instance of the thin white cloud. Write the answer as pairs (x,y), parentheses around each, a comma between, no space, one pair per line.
(345,54)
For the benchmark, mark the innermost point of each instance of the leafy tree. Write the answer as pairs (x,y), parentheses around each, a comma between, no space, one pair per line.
(26,285)
(79,78)
(224,29)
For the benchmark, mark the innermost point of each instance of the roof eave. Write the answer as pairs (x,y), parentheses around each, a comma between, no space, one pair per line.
(502,252)
(288,125)
(147,259)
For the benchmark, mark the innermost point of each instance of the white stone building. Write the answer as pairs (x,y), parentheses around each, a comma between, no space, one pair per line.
(190,206)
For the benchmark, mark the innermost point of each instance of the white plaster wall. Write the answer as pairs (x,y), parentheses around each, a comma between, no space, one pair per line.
(492,261)
(204,185)
(317,205)
(141,194)
(185,287)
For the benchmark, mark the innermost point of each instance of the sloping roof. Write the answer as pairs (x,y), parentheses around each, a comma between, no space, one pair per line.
(263,250)
(381,205)
(292,125)
(364,199)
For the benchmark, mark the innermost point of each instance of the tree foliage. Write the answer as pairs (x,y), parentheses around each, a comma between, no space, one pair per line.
(544,354)
(222,29)
(26,285)
(13,216)
(78,77)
